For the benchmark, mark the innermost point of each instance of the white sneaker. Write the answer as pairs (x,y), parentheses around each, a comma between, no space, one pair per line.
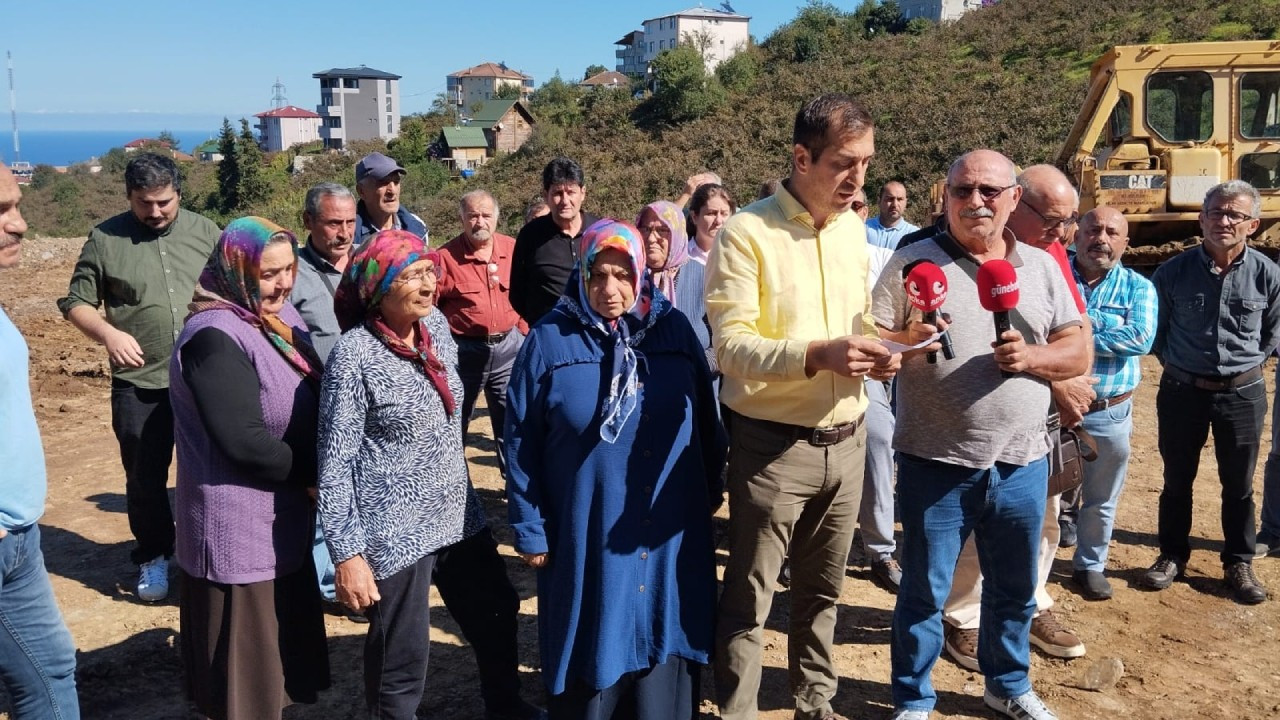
(1026,706)
(904,714)
(153,580)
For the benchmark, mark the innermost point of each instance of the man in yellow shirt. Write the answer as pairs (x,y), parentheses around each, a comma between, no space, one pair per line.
(790,313)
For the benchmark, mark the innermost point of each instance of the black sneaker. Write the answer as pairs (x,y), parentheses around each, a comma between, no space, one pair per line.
(1093,584)
(1163,572)
(1066,532)
(1244,584)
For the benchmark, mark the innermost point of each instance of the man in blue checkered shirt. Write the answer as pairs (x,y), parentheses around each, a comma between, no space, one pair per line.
(1122,308)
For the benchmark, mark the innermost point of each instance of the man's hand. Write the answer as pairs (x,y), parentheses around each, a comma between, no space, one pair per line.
(850,356)
(122,349)
(355,585)
(3,532)
(1073,397)
(1013,355)
(534,560)
(696,181)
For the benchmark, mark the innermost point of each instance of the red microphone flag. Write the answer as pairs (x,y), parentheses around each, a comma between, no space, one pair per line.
(926,287)
(997,286)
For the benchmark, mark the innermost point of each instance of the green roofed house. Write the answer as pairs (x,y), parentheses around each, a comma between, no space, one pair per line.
(464,147)
(507,124)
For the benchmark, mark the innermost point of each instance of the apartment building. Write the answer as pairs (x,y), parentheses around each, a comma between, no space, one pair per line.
(717,33)
(473,85)
(284,127)
(358,103)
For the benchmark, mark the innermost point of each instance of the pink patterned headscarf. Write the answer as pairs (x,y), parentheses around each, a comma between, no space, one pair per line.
(672,216)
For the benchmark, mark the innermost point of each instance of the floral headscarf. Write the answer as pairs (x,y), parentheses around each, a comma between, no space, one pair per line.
(672,216)
(620,336)
(368,279)
(229,281)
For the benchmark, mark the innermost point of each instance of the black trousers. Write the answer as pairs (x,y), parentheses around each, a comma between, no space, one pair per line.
(472,580)
(143,423)
(395,650)
(663,692)
(488,367)
(1186,414)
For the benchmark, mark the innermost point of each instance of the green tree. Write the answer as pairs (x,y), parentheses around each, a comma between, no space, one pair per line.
(43,176)
(684,91)
(228,169)
(506,92)
(414,141)
(168,138)
(739,73)
(114,161)
(886,18)
(254,187)
(557,102)
(593,70)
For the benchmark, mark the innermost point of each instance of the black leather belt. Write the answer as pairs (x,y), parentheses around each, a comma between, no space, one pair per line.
(493,339)
(1214,383)
(826,436)
(1104,403)
(816,436)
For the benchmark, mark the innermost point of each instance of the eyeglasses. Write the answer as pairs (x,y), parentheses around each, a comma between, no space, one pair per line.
(1231,216)
(988,192)
(859,206)
(417,277)
(1050,224)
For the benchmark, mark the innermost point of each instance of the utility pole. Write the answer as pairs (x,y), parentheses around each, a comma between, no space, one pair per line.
(13,110)
(278,100)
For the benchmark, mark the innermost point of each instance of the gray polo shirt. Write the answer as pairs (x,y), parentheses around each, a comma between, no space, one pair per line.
(1212,323)
(313,297)
(963,411)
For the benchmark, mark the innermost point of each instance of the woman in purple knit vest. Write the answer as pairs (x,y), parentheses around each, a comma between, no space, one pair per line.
(244,386)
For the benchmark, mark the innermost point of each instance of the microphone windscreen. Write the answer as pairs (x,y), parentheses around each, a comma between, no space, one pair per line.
(997,286)
(926,286)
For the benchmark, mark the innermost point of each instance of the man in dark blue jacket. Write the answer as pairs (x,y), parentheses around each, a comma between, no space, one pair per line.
(378,179)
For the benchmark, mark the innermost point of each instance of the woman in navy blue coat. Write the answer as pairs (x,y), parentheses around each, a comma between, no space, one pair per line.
(616,454)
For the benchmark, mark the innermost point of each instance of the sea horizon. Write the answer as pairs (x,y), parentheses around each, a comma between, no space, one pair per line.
(68,147)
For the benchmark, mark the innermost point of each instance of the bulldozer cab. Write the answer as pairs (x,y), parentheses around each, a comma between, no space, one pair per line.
(1161,124)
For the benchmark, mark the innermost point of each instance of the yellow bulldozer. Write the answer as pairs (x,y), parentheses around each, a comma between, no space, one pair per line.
(1162,124)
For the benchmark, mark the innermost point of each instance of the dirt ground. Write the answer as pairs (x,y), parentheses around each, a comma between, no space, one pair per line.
(1188,652)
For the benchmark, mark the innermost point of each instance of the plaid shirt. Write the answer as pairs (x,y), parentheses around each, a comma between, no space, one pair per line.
(1122,309)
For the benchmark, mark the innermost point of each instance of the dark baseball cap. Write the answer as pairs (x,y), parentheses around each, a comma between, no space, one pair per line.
(377,166)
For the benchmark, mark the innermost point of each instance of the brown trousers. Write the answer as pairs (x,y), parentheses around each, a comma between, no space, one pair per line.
(787,498)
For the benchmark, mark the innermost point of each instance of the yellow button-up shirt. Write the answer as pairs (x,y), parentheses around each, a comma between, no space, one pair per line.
(775,283)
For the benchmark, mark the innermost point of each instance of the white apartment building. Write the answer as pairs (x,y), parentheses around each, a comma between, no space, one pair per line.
(358,104)
(723,31)
(282,128)
(473,85)
(940,10)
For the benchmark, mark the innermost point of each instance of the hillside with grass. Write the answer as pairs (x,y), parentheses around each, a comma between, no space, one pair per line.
(1009,77)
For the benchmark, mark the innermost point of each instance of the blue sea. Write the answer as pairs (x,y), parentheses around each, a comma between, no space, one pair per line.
(67,147)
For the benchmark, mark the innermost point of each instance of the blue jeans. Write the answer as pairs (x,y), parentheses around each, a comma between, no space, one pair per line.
(1103,481)
(940,504)
(324,563)
(37,656)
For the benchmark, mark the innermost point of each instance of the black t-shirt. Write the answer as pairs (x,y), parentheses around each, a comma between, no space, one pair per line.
(540,265)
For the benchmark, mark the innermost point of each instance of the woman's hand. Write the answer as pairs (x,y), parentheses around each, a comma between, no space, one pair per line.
(355,585)
(534,560)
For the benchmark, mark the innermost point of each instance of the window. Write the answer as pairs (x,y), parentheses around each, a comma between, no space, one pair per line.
(1259,107)
(1261,170)
(353,83)
(1180,106)
(326,99)
(333,122)
(650,46)
(1120,124)
(388,103)
(389,131)
(388,87)
(662,44)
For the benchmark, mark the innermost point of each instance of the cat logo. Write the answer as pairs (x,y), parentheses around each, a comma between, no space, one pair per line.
(1140,182)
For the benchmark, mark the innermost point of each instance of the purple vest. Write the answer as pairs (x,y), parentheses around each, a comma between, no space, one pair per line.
(231,529)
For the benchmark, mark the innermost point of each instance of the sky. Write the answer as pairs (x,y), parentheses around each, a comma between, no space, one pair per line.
(89,64)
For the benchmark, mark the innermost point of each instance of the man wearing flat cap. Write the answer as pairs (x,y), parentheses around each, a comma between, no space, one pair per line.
(378,180)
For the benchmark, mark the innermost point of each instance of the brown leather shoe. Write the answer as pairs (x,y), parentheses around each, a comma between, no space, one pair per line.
(961,645)
(1051,637)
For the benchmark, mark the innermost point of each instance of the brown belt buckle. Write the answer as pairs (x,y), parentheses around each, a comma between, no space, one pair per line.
(826,437)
